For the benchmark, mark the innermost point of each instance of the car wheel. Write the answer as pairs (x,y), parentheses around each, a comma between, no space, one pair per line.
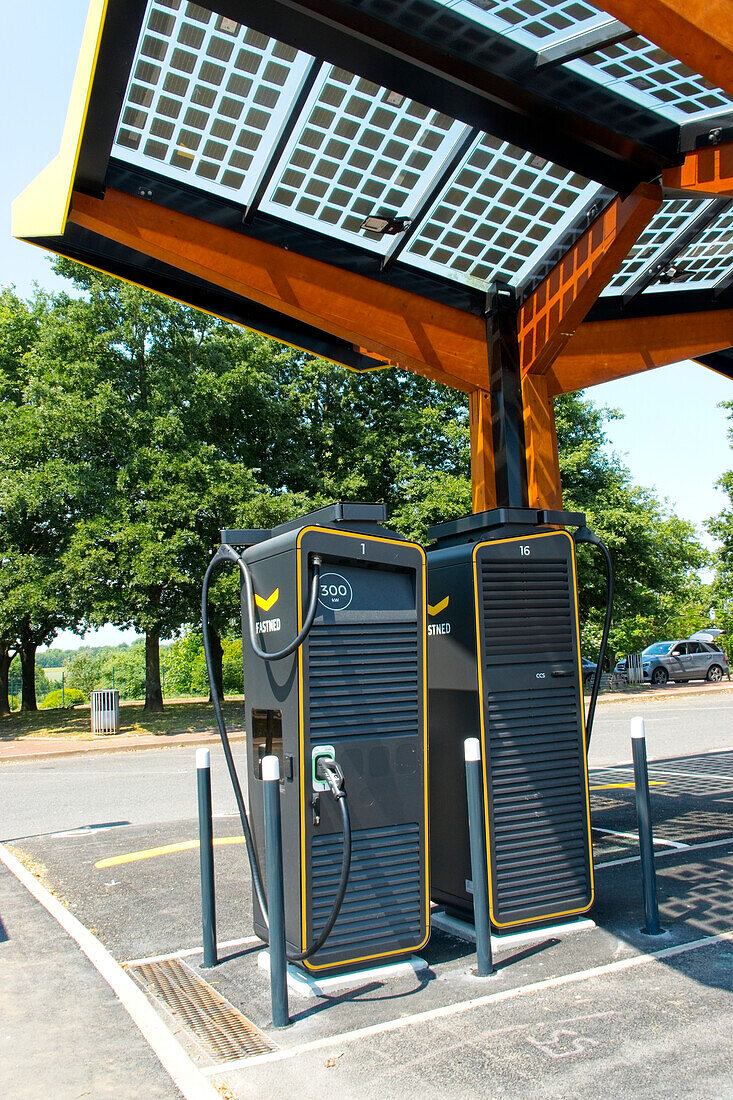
(659,677)
(714,674)
(588,682)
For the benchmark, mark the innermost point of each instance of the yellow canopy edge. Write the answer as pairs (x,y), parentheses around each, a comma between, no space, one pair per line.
(42,209)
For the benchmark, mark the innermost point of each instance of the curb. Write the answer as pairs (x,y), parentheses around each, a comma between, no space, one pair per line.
(45,747)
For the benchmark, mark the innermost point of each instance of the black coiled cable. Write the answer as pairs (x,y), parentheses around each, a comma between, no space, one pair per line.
(331,772)
(584,534)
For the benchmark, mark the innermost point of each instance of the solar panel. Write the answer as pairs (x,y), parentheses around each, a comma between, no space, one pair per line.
(498,216)
(206,99)
(706,261)
(359,149)
(640,70)
(669,223)
(635,68)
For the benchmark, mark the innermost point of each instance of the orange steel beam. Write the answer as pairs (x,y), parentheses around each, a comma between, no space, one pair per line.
(483,482)
(435,340)
(543,464)
(709,170)
(697,32)
(550,316)
(603,350)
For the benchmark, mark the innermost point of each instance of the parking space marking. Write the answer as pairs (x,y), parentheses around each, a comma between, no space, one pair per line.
(476,1002)
(164,850)
(670,852)
(169,1052)
(188,952)
(690,775)
(635,836)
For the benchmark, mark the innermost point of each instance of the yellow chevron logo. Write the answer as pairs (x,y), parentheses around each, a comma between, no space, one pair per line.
(266,604)
(436,608)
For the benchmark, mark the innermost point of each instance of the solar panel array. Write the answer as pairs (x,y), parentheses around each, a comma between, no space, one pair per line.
(233,113)
(634,68)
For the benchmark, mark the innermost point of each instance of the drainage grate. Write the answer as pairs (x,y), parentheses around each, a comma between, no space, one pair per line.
(216,1025)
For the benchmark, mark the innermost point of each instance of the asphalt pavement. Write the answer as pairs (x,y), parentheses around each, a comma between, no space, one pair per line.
(603,1010)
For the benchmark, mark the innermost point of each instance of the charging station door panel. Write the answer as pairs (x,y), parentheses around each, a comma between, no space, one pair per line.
(363,693)
(532,729)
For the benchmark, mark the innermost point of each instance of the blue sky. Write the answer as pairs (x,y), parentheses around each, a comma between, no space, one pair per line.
(673,436)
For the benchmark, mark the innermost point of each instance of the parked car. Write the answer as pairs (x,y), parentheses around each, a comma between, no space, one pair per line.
(588,671)
(681,660)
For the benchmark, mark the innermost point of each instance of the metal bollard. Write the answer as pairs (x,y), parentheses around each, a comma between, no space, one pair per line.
(206,856)
(275,892)
(644,818)
(479,874)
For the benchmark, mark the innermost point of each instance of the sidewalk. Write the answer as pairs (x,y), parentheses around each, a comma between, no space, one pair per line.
(64,1033)
(60,746)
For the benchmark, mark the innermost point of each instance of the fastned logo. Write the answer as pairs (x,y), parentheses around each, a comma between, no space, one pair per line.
(266,604)
(435,609)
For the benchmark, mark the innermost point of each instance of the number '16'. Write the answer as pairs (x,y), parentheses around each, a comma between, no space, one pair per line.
(524,551)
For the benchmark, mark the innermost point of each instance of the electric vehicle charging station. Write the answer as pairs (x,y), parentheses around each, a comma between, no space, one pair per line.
(343,707)
(504,662)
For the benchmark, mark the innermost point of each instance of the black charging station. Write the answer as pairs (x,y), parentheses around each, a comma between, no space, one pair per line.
(504,665)
(354,690)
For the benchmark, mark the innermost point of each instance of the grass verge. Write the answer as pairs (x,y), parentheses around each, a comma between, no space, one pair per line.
(191,716)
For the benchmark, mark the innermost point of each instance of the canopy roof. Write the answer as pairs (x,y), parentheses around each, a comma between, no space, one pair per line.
(233,159)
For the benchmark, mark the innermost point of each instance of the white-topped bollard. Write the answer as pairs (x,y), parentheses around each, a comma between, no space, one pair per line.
(479,870)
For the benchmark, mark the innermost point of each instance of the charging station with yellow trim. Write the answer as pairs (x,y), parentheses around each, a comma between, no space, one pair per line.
(504,665)
(350,698)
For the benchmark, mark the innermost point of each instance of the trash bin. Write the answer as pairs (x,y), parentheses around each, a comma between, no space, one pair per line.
(105,711)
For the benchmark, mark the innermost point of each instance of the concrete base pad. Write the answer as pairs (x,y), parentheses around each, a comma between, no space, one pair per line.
(311,987)
(464,930)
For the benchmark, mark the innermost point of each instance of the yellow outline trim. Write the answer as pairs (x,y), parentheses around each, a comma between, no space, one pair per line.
(567,912)
(41,210)
(266,604)
(301,717)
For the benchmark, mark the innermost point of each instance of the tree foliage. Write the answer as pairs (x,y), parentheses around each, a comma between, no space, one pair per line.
(133,428)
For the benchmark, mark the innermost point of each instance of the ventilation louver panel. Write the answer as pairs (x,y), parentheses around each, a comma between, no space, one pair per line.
(527,611)
(539,826)
(382,903)
(363,680)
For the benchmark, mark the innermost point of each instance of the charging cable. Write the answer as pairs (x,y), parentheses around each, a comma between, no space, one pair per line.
(327,770)
(584,534)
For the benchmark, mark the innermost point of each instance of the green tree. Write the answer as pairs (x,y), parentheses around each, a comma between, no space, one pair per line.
(721,528)
(51,466)
(657,556)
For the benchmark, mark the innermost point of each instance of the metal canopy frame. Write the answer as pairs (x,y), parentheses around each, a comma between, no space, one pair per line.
(546,145)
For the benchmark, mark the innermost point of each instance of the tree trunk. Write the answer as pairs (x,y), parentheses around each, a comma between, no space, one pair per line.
(6,660)
(153,687)
(27,653)
(217,660)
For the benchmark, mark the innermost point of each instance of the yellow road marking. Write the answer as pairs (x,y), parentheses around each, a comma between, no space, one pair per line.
(165,850)
(615,786)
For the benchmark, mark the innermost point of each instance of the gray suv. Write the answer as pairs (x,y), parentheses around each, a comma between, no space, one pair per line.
(681,660)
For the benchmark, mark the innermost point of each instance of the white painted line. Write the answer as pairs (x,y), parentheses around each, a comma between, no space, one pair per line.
(171,1055)
(691,775)
(635,836)
(188,952)
(476,1002)
(672,852)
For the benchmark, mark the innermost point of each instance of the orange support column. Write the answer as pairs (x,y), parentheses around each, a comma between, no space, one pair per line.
(483,482)
(543,464)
